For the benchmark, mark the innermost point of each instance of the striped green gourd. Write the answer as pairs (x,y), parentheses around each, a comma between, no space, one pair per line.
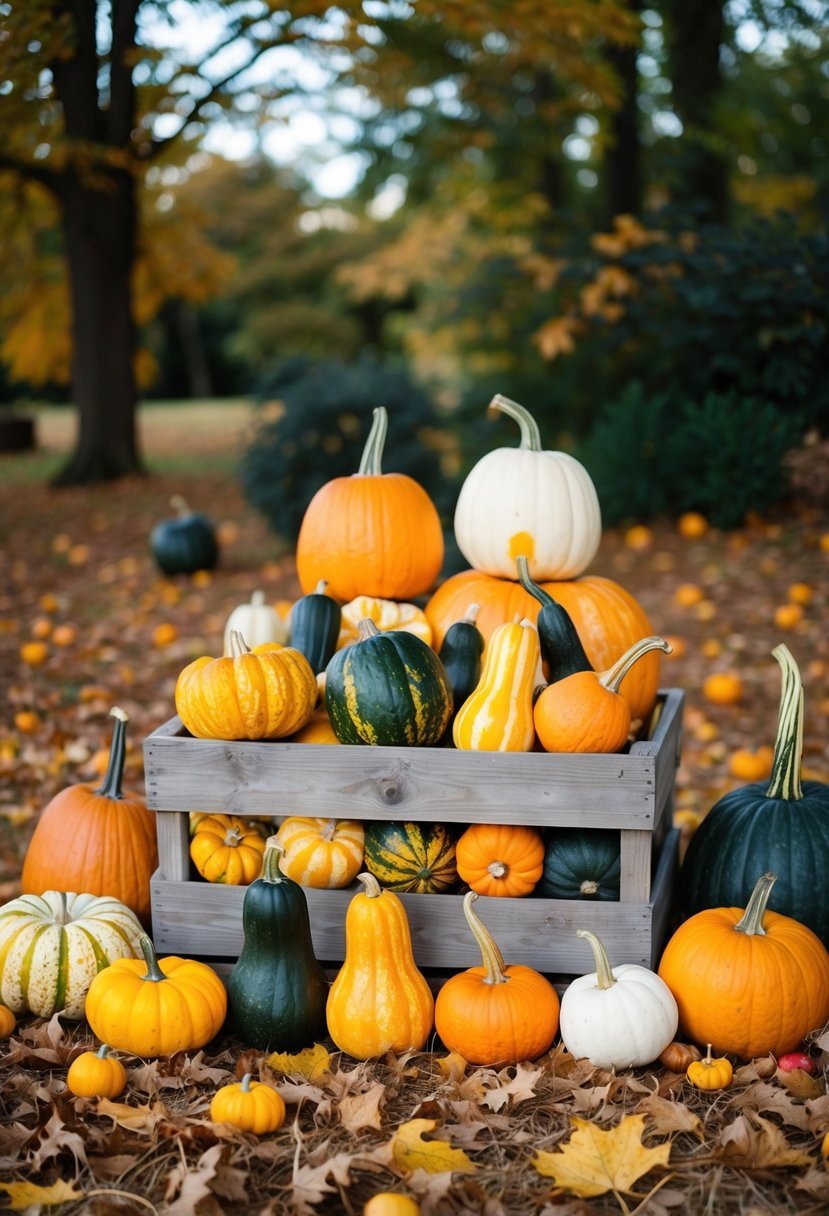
(417,857)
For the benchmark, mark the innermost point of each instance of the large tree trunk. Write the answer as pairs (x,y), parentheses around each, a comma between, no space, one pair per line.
(99,237)
(624,157)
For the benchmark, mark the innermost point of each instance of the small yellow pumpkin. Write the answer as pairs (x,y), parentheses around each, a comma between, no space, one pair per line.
(498,716)
(325,853)
(388,615)
(391,1203)
(710,1073)
(7,1021)
(96,1074)
(227,849)
(250,1105)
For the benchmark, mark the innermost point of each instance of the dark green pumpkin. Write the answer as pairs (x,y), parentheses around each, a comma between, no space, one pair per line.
(581,863)
(315,626)
(277,991)
(460,654)
(781,828)
(185,544)
(561,647)
(411,856)
(389,689)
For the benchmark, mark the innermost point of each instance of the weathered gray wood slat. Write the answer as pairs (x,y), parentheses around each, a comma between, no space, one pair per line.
(172,832)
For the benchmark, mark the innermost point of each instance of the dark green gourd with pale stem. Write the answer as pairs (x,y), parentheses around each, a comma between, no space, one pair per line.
(561,647)
(277,990)
(782,827)
(581,863)
(315,626)
(460,654)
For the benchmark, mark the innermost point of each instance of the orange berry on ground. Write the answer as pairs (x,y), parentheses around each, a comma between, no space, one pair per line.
(639,537)
(712,648)
(723,688)
(750,765)
(48,602)
(41,627)
(34,653)
(800,593)
(786,616)
(26,721)
(64,635)
(692,525)
(688,594)
(164,634)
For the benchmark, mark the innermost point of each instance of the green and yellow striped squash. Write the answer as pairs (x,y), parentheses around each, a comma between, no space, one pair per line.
(388,689)
(411,856)
(498,716)
(53,945)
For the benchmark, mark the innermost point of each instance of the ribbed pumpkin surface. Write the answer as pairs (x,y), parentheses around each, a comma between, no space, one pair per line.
(411,856)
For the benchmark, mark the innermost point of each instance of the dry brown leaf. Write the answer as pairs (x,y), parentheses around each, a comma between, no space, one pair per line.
(452,1067)
(357,1111)
(310,1182)
(593,1100)
(312,1063)
(56,1138)
(754,1143)
(185,1188)
(765,1096)
(665,1117)
(801,1084)
(412,1152)
(513,1089)
(112,1166)
(141,1119)
(594,1161)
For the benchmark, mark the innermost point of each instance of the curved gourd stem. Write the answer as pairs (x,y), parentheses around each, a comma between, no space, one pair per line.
(530,434)
(180,505)
(271,858)
(604,973)
(788,746)
(538,593)
(493,959)
(103,1051)
(154,972)
(111,785)
(238,645)
(321,587)
(612,678)
(330,830)
(372,886)
(371,462)
(244,1084)
(471,614)
(751,922)
(367,629)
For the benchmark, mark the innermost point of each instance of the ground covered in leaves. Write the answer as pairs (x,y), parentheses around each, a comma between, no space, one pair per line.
(78,577)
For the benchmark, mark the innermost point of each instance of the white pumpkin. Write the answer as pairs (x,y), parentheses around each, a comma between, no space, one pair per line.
(620,1017)
(53,945)
(528,501)
(257,622)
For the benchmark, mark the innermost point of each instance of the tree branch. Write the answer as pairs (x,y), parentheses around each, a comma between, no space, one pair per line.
(33,173)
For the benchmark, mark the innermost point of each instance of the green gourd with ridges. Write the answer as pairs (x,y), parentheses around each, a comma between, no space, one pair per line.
(277,991)
(581,863)
(460,654)
(782,828)
(315,626)
(560,644)
(416,857)
(387,689)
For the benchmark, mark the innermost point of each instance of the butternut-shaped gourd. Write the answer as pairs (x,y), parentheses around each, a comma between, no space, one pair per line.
(379,1000)
(498,717)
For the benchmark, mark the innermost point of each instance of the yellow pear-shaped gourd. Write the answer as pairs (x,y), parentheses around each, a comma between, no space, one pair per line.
(379,1000)
(498,716)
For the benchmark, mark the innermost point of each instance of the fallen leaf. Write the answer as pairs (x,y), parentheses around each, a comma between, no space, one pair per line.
(764,1096)
(133,1118)
(519,1088)
(357,1111)
(666,1117)
(412,1152)
(452,1066)
(311,1185)
(186,1187)
(754,1143)
(56,1138)
(312,1063)
(594,1161)
(800,1083)
(24,1195)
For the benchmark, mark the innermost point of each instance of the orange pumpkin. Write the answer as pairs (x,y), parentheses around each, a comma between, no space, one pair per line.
(99,841)
(607,619)
(496,859)
(373,533)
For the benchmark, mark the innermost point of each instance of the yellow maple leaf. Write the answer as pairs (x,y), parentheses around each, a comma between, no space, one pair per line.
(412,1152)
(310,1063)
(594,1161)
(452,1066)
(24,1195)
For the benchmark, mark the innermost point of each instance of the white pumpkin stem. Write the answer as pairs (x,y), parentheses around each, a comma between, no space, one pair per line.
(238,645)
(372,886)
(257,599)
(604,973)
(612,678)
(180,505)
(491,956)
(371,462)
(785,780)
(497,869)
(530,434)
(751,922)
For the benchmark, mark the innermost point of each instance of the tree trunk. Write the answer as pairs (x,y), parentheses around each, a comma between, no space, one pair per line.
(624,156)
(99,222)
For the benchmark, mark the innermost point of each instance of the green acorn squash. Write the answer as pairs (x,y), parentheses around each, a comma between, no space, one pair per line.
(411,856)
(315,626)
(389,689)
(782,828)
(277,991)
(581,863)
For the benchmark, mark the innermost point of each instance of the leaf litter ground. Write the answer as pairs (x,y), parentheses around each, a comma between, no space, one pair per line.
(460,1139)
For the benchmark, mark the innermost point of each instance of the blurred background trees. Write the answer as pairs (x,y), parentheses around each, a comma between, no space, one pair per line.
(613,211)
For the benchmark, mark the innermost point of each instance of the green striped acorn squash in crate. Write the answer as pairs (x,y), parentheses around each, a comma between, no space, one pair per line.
(414,857)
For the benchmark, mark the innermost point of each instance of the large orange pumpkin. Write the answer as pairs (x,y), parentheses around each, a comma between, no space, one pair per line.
(608,620)
(99,841)
(373,533)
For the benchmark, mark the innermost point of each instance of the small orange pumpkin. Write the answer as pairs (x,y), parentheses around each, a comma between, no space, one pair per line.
(96,1074)
(499,859)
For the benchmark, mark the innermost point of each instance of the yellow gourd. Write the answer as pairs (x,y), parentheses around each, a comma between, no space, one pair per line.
(498,716)
(379,1000)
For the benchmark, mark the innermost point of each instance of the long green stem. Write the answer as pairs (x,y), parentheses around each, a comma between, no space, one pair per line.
(612,678)
(271,871)
(493,959)
(530,434)
(788,746)
(604,972)
(371,462)
(154,972)
(111,786)
(751,922)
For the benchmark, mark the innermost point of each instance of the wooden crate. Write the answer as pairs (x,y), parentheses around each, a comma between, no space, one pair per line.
(631,791)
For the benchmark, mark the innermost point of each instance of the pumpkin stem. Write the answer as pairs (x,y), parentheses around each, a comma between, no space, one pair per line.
(493,959)
(612,678)
(154,972)
(544,598)
(751,922)
(244,1084)
(367,629)
(589,887)
(497,869)
(472,614)
(103,1051)
(62,917)
(788,746)
(179,504)
(604,973)
(372,886)
(530,434)
(370,464)
(330,829)
(708,1058)
(321,586)
(238,645)
(111,785)
(257,599)
(274,851)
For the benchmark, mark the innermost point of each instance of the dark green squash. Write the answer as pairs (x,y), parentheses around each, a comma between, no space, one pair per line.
(315,626)
(561,647)
(389,689)
(581,863)
(411,856)
(782,828)
(460,654)
(277,991)
(185,544)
